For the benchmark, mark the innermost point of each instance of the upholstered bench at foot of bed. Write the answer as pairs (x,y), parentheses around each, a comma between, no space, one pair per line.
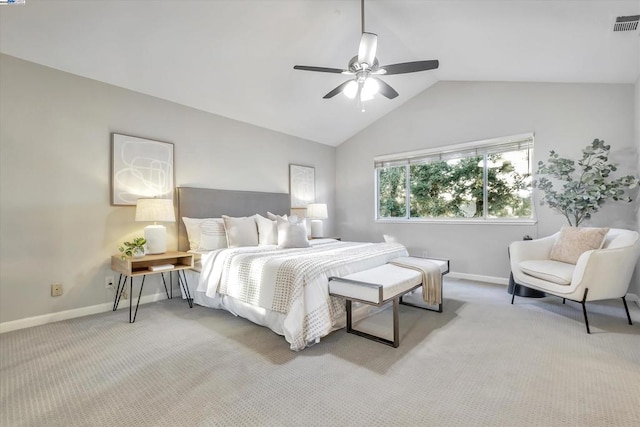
(378,286)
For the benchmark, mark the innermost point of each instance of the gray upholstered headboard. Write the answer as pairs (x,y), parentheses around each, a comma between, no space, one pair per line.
(211,203)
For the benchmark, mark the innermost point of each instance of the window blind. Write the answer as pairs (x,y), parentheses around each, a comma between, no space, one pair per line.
(480,148)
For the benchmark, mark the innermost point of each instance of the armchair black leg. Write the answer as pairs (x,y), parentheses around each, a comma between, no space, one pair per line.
(564,300)
(584,309)
(626,308)
(513,294)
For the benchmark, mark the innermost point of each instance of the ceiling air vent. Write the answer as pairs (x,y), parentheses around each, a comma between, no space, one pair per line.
(626,23)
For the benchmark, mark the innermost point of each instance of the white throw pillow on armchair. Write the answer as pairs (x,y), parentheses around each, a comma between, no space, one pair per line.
(574,241)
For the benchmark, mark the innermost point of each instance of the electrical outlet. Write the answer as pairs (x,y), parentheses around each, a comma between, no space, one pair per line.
(108,282)
(125,294)
(56,289)
(425,254)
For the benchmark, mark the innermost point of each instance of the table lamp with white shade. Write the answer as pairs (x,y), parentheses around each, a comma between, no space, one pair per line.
(156,210)
(316,212)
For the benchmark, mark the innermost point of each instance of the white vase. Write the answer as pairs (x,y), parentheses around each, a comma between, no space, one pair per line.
(138,253)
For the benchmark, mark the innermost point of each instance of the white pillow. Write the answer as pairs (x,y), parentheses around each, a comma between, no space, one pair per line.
(212,234)
(205,234)
(304,221)
(292,234)
(307,227)
(274,217)
(193,231)
(267,231)
(241,231)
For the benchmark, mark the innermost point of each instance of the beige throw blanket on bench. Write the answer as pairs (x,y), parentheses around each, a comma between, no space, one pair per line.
(431,276)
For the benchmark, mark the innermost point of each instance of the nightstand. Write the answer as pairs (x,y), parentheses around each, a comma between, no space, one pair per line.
(150,264)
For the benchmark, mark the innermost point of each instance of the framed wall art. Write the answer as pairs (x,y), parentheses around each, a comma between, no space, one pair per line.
(140,168)
(302,186)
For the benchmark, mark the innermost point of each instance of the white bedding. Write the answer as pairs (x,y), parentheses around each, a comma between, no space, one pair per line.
(286,289)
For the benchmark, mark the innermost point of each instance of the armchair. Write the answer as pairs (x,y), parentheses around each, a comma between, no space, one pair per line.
(598,274)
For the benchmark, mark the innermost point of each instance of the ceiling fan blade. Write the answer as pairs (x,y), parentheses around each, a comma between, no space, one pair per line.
(384,89)
(367,49)
(411,67)
(319,69)
(336,90)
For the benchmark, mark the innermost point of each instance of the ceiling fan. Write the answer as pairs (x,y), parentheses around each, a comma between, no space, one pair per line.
(365,69)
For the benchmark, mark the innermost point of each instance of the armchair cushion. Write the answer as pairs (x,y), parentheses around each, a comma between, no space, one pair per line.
(552,271)
(574,241)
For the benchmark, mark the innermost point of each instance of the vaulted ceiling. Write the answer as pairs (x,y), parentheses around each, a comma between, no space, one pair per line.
(235,58)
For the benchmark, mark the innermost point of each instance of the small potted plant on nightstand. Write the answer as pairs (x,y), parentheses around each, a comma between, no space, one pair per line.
(134,248)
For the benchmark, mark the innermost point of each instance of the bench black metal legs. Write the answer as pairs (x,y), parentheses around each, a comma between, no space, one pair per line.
(439,310)
(396,322)
(396,326)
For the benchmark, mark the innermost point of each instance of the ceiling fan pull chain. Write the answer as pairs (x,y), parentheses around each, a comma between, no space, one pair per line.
(360,101)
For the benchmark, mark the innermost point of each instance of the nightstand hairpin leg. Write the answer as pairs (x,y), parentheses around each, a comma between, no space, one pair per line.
(165,284)
(131,297)
(183,283)
(116,300)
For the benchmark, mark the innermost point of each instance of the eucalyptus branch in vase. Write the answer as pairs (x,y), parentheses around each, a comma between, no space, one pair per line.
(585,187)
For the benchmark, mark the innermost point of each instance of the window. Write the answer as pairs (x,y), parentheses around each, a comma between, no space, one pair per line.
(484,180)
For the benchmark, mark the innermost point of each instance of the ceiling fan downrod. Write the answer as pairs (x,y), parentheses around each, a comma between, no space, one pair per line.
(362,14)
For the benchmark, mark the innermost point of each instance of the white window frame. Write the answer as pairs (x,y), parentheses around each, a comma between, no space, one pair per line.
(413,157)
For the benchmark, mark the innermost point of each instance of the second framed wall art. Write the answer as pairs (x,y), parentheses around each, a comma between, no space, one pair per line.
(302,186)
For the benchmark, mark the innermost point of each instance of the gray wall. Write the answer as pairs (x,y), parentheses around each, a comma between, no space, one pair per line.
(57,225)
(564,117)
(56,222)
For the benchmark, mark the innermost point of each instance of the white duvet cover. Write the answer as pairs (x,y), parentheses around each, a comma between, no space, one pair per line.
(289,286)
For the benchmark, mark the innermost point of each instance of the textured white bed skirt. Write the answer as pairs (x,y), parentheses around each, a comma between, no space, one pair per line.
(258,315)
(285,290)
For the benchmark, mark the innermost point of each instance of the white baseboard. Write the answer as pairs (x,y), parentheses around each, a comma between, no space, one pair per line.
(108,306)
(479,278)
(77,312)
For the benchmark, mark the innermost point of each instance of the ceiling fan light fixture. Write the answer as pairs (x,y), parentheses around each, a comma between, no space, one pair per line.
(351,89)
(369,88)
(365,67)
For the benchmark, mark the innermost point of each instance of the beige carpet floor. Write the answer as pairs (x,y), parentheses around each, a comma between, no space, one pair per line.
(483,362)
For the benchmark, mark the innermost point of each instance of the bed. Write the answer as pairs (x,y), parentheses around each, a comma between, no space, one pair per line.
(285,290)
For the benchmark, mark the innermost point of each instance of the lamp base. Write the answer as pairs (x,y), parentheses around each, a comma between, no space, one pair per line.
(156,237)
(316,228)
